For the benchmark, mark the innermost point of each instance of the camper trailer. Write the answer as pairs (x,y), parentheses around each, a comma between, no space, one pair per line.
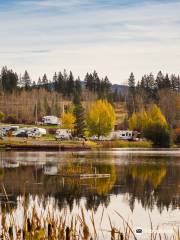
(63,134)
(50,120)
(122,134)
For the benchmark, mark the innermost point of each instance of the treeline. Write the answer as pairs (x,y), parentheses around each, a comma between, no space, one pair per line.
(63,83)
(163,90)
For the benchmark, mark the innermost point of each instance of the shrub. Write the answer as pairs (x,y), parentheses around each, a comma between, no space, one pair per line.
(177,135)
(159,134)
(2,116)
(11,119)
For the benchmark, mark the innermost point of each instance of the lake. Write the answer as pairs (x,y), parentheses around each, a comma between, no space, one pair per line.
(144,186)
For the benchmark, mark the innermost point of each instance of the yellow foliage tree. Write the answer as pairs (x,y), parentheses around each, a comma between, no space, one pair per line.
(101,118)
(153,125)
(156,115)
(68,121)
(140,121)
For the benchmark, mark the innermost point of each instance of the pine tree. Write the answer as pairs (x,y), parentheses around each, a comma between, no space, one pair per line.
(55,77)
(44,79)
(60,83)
(9,80)
(70,84)
(159,80)
(131,95)
(39,81)
(131,83)
(26,80)
(78,87)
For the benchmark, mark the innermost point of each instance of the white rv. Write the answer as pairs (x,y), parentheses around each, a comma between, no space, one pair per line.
(122,134)
(50,120)
(63,134)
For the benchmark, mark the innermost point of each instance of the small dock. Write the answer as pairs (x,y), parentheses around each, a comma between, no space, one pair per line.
(87,176)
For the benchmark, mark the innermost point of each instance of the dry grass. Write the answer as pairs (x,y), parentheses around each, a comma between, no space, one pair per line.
(125,144)
(40,224)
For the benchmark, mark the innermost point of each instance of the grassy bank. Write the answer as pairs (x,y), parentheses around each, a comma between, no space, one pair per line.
(44,143)
(125,144)
(49,141)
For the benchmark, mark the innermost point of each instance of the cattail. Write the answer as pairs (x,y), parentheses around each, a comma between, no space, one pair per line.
(24,234)
(86,232)
(10,232)
(121,236)
(113,234)
(67,233)
(49,230)
(29,226)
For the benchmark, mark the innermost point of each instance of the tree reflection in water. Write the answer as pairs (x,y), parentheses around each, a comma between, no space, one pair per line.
(151,181)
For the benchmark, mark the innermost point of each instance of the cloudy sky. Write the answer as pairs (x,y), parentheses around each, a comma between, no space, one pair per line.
(114,37)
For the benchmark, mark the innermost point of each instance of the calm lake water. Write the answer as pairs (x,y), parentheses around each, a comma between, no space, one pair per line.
(143,184)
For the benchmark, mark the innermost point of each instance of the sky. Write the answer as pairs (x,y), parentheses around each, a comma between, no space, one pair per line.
(114,37)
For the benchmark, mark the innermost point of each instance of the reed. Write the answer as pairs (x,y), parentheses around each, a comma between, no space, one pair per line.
(52,225)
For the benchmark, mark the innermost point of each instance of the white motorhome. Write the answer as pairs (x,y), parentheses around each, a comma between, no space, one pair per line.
(50,170)
(50,120)
(63,134)
(122,134)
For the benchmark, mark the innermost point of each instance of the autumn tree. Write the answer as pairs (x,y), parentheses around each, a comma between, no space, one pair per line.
(68,121)
(153,126)
(100,118)
(169,101)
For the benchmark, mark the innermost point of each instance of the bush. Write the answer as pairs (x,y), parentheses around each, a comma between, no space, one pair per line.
(2,116)
(177,135)
(159,134)
(11,119)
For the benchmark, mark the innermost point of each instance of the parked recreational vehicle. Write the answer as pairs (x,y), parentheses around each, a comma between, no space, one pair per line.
(50,120)
(63,134)
(122,134)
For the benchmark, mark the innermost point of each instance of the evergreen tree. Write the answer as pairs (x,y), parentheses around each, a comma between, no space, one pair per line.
(78,87)
(131,95)
(159,80)
(55,77)
(26,80)
(9,80)
(60,84)
(131,83)
(44,79)
(39,81)
(79,113)
(167,82)
(70,85)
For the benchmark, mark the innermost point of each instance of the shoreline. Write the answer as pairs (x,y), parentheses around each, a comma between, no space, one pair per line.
(46,144)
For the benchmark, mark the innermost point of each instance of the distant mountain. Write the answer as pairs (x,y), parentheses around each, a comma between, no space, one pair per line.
(123,89)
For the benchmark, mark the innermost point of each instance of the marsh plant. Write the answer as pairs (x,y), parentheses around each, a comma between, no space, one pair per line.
(40,219)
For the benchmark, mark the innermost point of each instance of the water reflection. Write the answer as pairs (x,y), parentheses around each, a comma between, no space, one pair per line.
(150,178)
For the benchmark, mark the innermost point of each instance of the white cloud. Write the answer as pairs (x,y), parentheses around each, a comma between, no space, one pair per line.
(115,41)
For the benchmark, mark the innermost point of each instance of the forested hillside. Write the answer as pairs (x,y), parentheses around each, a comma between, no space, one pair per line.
(24,100)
